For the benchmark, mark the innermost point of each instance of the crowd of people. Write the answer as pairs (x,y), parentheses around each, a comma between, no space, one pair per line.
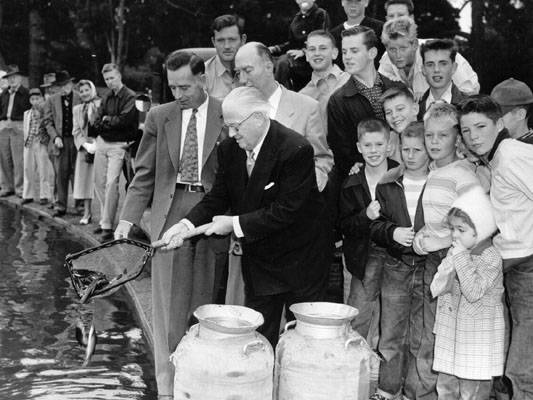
(361,134)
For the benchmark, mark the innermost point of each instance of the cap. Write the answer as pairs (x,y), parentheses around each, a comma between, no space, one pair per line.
(512,93)
(35,92)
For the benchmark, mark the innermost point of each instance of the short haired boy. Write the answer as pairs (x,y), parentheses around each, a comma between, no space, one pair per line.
(438,67)
(36,151)
(449,177)
(511,193)
(400,110)
(399,8)
(399,194)
(516,101)
(357,209)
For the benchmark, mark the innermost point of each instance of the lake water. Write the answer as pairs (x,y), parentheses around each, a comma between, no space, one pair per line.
(39,355)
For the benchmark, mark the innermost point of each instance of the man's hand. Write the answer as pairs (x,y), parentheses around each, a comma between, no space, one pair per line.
(404,236)
(173,237)
(372,211)
(222,225)
(123,230)
(356,168)
(90,147)
(295,53)
(418,243)
(58,142)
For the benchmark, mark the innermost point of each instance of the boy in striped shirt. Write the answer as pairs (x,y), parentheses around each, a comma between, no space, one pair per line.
(399,194)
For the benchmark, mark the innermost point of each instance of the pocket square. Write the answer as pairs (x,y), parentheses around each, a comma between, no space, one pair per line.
(269,185)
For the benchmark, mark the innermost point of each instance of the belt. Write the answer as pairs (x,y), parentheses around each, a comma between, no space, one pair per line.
(190,187)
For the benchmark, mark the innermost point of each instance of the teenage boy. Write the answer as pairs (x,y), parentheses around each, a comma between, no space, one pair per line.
(400,110)
(438,66)
(399,8)
(35,151)
(403,62)
(449,177)
(511,193)
(516,101)
(400,197)
(320,51)
(357,208)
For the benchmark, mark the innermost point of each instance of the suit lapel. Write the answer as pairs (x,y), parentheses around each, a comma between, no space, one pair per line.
(173,132)
(212,130)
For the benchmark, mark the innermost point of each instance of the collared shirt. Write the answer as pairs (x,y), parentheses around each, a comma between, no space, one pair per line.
(274,100)
(446,96)
(201,123)
(123,117)
(219,80)
(35,123)
(465,78)
(235,219)
(373,95)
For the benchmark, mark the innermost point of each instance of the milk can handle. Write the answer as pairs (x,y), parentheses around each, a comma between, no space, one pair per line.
(254,345)
(288,325)
(350,341)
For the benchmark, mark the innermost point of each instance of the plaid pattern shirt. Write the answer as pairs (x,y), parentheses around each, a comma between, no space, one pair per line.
(35,124)
(372,95)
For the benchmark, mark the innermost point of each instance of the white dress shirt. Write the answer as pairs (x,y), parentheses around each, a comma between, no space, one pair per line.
(446,96)
(274,100)
(201,123)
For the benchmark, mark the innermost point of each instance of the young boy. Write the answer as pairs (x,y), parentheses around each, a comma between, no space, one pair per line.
(516,101)
(400,110)
(399,194)
(438,67)
(357,208)
(511,193)
(36,160)
(448,178)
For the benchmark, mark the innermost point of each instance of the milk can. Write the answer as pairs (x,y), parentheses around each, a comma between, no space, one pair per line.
(322,358)
(223,357)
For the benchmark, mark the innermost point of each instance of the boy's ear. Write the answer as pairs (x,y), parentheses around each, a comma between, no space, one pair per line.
(499,124)
(359,147)
(454,67)
(416,109)
(334,53)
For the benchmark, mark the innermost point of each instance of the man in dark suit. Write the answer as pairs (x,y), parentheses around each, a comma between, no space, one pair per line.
(266,179)
(176,164)
(58,122)
(13,103)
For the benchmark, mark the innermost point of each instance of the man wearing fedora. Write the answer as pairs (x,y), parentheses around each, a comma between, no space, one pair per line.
(13,103)
(58,123)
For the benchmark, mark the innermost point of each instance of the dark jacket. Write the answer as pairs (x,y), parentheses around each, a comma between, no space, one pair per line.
(394,214)
(353,221)
(374,24)
(277,208)
(346,108)
(21,103)
(301,25)
(457,97)
(124,121)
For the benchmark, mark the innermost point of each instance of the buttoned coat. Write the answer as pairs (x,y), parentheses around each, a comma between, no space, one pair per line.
(53,117)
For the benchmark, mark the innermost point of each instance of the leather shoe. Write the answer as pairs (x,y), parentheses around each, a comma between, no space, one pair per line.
(98,230)
(43,202)
(6,193)
(26,201)
(107,235)
(58,213)
(86,220)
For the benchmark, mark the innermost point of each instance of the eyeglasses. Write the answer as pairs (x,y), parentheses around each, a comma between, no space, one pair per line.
(236,126)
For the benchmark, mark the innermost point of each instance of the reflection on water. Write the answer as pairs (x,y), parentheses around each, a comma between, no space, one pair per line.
(39,355)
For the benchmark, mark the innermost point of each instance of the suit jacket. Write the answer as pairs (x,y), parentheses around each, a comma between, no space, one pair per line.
(21,103)
(157,163)
(277,208)
(53,117)
(302,114)
(457,97)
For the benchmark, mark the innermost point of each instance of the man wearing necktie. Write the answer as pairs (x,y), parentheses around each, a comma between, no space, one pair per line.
(13,103)
(176,164)
(266,179)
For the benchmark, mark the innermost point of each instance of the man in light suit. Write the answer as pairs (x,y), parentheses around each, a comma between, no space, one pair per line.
(58,122)
(176,164)
(266,179)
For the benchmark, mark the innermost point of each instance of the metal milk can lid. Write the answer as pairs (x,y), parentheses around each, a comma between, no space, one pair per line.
(228,318)
(324,313)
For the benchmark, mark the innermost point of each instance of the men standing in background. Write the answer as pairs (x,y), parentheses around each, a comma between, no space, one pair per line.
(116,125)
(227,38)
(13,103)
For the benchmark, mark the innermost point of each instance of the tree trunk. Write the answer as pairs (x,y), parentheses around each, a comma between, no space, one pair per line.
(2,60)
(121,24)
(36,49)
(478,33)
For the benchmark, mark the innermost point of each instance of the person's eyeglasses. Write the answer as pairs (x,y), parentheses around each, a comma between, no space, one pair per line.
(236,126)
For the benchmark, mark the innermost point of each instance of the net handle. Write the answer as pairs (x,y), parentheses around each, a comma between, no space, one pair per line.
(199,230)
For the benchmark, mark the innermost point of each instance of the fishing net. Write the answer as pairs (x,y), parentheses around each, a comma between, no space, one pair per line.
(101,270)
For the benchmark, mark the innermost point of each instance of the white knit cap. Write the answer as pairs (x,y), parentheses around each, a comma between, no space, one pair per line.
(476,204)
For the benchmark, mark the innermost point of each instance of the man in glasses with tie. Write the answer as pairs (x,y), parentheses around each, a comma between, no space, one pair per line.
(176,164)
(266,179)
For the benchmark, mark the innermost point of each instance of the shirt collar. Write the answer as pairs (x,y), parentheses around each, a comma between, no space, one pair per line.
(258,146)
(274,100)
(201,109)
(334,71)
(446,96)
(503,134)
(220,69)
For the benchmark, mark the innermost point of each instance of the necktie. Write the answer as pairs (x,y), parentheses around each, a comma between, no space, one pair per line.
(250,162)
(189,156)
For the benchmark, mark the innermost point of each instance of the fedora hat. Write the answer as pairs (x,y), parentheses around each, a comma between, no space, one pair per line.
(12,70)
(62,77)
(48,80)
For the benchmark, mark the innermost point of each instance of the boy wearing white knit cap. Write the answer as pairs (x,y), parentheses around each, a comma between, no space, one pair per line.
(469,325)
